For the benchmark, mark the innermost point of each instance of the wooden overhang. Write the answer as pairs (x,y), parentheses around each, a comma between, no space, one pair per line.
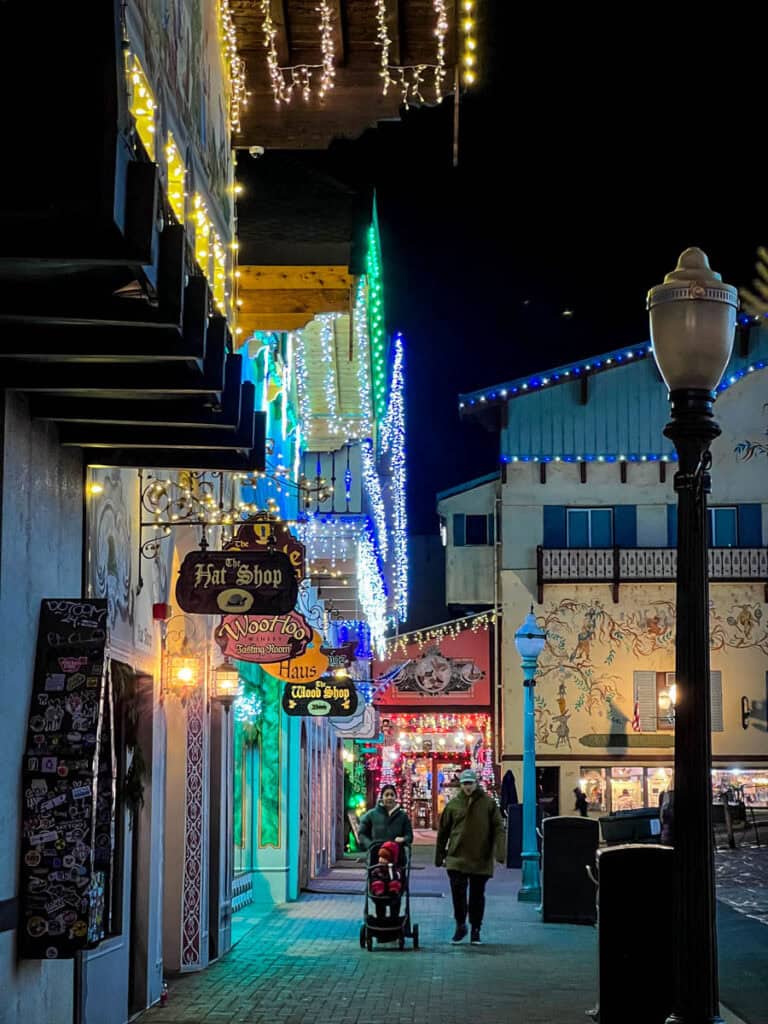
(106,323)
(357,100)
(286,298)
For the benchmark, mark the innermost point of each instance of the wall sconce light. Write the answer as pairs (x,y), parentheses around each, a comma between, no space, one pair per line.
(667,701)
(225,685)
(746,711)
(183,664)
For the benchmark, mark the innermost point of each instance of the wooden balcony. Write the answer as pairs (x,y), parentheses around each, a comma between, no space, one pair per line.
(642,565)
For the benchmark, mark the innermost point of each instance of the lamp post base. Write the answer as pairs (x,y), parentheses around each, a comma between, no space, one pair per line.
(530,890)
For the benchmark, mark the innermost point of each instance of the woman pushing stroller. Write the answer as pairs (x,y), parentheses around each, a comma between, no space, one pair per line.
(386,824)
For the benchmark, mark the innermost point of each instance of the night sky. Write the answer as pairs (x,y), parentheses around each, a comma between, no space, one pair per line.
(583,172)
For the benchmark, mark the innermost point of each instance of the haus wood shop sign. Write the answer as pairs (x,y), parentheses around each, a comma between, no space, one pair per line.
(230,582)
(263,639)
(265,534)
(307,668)
(68,772)
(320,700)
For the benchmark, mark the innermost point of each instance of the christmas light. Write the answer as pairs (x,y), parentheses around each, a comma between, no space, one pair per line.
(328,356)
(302,384)
(382,37)
(280,91)
(360,326)
(247,708)
(372,591)
(327,48)
(441,30)
(469,37)
(236,65)
(435,634)
(372,485)
(670,456)
(559,375)
(177,179)
(393,443)
(376,328)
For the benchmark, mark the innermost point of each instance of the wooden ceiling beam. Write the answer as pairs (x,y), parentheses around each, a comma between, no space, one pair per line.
(292,300)
(282,277)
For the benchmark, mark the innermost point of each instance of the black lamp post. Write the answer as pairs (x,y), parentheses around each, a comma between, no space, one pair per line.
(693,318)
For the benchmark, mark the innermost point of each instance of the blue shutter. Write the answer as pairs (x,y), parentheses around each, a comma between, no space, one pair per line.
(625,526)
(750,526)
(554,526)
(458,530)
(672,526)
(490,529)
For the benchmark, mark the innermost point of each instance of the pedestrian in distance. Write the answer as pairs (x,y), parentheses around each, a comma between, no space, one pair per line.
(469,838)
(386,822)
(581,802)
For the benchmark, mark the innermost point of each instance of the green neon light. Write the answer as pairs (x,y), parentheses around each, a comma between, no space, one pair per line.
(376,327)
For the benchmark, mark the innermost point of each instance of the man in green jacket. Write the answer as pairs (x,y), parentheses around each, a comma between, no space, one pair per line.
(470,834)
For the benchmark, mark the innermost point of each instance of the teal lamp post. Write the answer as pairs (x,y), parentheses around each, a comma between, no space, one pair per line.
(529,640)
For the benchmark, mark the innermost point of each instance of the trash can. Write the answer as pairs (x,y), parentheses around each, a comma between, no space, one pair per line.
(634,923)
(568,848)
(642,825)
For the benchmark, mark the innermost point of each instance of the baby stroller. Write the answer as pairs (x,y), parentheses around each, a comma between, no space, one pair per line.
(397,923)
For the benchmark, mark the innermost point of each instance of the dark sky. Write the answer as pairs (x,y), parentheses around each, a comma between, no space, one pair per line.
(589,159)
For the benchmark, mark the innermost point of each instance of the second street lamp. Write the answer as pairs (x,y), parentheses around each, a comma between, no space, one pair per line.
(693,318)
(529,640)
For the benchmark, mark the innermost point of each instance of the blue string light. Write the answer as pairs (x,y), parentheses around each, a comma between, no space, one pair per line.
(610,457)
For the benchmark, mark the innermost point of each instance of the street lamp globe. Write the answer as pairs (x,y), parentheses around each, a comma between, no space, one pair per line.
(529,639)
(693,318)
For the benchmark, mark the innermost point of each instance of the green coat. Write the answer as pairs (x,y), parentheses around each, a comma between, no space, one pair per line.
(378,826)
(471,834)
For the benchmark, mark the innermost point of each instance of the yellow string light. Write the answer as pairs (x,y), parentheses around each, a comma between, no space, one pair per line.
(446,631)
(177,178)
(469,38)
(141,103)
(238,95)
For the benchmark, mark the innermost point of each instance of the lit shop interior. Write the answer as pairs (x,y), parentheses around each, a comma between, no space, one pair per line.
(423,755)
(626,788)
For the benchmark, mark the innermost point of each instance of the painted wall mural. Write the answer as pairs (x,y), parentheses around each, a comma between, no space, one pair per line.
(747,450)
(585,670)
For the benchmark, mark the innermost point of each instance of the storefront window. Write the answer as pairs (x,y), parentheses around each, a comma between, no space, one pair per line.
(747,785)
(657,781)
(593,784)
(627,789)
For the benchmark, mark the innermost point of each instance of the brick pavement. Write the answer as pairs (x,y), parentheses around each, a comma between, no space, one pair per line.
(301,963)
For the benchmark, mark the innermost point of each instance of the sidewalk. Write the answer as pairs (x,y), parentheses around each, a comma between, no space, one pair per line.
(302,964)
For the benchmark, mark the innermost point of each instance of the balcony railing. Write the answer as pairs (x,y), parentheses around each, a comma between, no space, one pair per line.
(642,565)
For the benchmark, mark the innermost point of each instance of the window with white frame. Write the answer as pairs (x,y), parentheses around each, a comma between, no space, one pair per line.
(589,527)
(655,696)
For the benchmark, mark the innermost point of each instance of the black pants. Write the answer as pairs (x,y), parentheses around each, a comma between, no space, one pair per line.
(477,883)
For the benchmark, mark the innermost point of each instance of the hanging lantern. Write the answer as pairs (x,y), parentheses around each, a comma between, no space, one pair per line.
(225,685)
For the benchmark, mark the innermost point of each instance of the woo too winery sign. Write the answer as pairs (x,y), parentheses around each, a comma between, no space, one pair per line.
(263,638)
(231,582)
(320,700)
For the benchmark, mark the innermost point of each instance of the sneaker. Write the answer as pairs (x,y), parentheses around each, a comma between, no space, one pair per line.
(475,937)
(459,934)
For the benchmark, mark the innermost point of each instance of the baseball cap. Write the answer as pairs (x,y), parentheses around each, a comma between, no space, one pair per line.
(468,776)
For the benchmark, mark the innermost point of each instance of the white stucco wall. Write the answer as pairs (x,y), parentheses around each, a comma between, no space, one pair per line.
(40,556)
(468,569)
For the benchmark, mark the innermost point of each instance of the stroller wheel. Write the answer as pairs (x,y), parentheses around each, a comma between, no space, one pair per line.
(415,936)
(369,944)
(362,936)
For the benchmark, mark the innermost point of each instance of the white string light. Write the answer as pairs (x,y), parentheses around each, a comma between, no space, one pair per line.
(382,35)
(239,96)
(328,355)
(372,592)
(302,383)
(363,355)
(441,30)
(326,45)
(372,484)
(276,78)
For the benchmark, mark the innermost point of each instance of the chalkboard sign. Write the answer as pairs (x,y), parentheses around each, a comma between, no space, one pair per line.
(68,783)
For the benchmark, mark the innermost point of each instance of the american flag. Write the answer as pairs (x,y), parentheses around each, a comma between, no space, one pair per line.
(636,717)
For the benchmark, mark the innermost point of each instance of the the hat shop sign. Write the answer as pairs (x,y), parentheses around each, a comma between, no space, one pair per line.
(236,582)
(320,700)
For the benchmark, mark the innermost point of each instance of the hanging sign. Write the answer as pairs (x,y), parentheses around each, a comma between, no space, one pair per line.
(340,657)
(67,838)
(266,534)
(307,668)
(320,700)
(263,639)
(230,582)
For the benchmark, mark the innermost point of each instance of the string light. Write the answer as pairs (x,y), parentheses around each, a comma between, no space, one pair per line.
(247,708)
(436,634)
(328,355)
(382,37)
(236,65)
(670,456)
(280,91)
(177,177)
(326,45)
(302,384)
(469,37)
(393,443)
(372,591)
(372,485)
(360,326)
(441,30)
(560,375)
(376,321)
(141,103)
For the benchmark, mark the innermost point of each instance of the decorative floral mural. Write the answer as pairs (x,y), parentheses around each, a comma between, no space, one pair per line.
(577,668)
(747,450)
